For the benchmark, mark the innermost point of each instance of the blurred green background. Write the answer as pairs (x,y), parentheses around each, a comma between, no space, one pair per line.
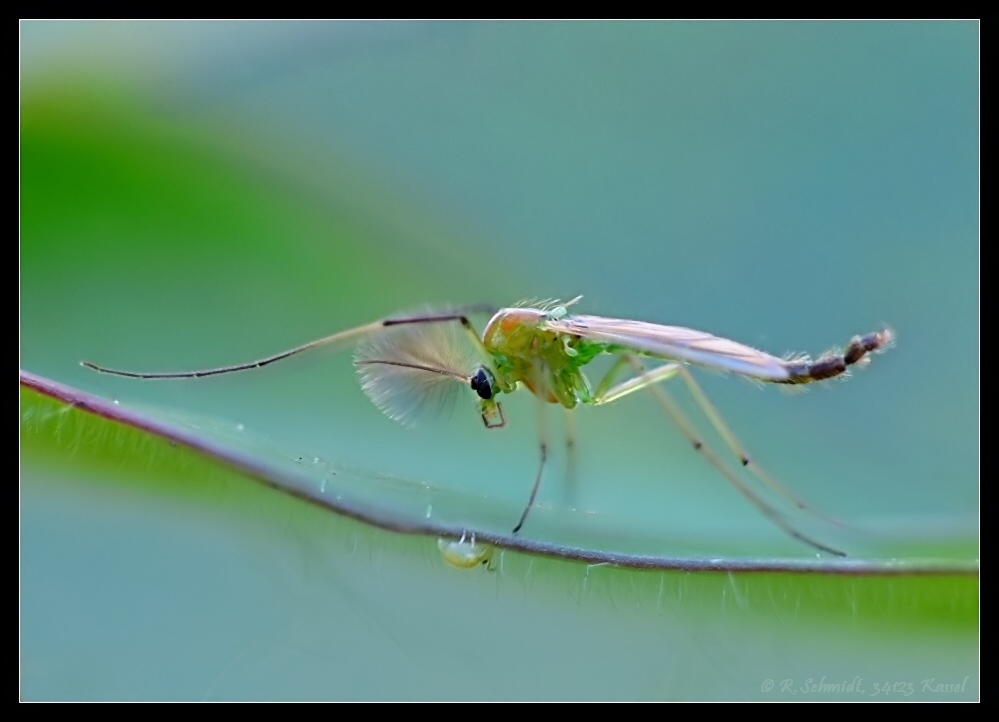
(195,194)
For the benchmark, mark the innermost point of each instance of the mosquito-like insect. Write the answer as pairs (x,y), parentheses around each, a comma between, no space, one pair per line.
(407,361)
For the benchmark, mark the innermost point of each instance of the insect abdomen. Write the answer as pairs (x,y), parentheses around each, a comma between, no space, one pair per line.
(827,367)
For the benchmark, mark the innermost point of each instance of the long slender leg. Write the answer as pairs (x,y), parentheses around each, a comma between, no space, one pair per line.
(643,380)
(739,450)
(543,446)
(666,372)
(608,380)
(334,341)
(651,380)
(571,453)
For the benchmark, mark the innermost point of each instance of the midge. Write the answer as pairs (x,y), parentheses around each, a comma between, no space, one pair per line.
(407,362)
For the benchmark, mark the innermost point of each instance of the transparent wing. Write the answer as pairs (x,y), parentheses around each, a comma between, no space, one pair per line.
(676,343)
(412,371)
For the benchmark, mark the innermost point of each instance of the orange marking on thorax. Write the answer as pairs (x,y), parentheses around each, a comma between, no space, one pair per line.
(514,320)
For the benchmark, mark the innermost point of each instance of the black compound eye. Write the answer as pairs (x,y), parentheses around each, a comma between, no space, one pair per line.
(481,384)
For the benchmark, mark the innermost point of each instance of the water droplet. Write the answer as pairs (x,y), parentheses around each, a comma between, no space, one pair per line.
(430,508)
(239,427)
(115,402)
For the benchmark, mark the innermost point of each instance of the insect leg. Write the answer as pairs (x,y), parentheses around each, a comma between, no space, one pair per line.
(336,341)
(608,380)
(571,454)
(651,380)
(543,447)
(708,409)
(606,393)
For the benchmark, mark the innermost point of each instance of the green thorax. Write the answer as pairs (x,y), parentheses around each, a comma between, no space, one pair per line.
(547,362)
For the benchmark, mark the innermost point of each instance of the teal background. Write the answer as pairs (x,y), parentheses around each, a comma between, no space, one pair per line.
(195,194)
